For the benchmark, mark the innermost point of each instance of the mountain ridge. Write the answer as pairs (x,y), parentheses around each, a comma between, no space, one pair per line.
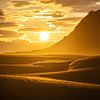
(84,39)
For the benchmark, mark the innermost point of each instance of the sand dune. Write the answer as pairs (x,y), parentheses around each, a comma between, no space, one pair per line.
(82,70)
(41,64)
(50,79)
(53,81)
(90,62)
(39,88)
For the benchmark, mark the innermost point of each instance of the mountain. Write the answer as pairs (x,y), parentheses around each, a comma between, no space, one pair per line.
(84,39)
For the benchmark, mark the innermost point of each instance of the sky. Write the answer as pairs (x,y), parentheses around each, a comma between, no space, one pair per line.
(27,25)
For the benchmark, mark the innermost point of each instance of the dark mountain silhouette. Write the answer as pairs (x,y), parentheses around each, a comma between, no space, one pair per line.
(85,38)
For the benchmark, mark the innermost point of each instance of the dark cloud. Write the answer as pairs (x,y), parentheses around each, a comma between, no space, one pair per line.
(77,5)
(2,15)
(80,5)
(70,2)
(9,34)
(21,3)
(1,12)
(7,24)
(2,18)
(46,1)
(75,2)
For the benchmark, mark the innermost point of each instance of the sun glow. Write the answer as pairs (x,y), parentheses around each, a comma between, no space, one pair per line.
(44,36)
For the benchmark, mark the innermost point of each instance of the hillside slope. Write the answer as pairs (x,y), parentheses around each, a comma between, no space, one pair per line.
(85,38)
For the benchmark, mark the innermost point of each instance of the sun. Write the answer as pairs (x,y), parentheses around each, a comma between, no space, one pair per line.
(44,36)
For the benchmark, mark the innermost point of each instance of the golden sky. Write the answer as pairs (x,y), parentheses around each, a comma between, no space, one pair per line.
(35,24)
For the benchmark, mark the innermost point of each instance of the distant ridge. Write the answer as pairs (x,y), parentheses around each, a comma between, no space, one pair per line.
(85,38)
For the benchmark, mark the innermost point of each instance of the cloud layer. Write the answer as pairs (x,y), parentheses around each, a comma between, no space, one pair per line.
(7,34)
(20,3)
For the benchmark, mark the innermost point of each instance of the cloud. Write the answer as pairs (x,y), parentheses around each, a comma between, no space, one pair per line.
(2,18)
(8,34)
(34,29)
(73,19)
(1,13)
(21,45)
(75,2)
(54,14)
(61,23)
(86,8)
(79,5)
(20,3)
(15,45)
(7,24)
(46,1)
(35,23)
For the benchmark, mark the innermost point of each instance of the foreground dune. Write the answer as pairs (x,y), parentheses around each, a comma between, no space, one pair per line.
(53,81)
(49,79)
(37,88)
